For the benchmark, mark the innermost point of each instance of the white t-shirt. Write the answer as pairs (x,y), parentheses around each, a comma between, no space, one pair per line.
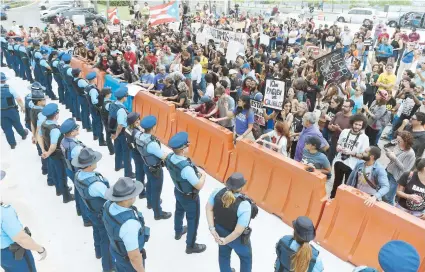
(351,144)
(210,91)
(280,141)
(292,36)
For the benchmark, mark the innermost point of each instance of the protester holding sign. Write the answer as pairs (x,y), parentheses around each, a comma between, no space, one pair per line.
(278,139)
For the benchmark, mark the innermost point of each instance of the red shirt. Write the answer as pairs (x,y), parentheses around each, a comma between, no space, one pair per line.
(414,37)
(130,57)
(152,60)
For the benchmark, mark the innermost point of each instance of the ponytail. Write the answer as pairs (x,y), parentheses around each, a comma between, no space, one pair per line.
(228,199)
(300,261)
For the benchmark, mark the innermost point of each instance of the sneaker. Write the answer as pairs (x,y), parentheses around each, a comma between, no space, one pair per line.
(26,134)
(54,98)
(178,236)
(89,130)
(111,153)
(95,138)
(163,216)
(12,146)
(88,224)
(197,248)
(68,199)
(102,144)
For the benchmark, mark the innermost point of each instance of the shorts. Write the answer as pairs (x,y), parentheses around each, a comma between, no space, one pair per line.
(188,76)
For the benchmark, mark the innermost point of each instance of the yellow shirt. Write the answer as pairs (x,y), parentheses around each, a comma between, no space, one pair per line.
(204,63)
(386,79)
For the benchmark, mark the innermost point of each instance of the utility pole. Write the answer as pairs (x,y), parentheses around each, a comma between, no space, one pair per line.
(95,6)
(107,7)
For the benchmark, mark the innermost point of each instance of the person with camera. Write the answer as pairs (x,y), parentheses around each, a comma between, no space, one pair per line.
(228,214)
(351,143)
(295,253)
(369,176)
(188,181)
(153,157)
(16,241)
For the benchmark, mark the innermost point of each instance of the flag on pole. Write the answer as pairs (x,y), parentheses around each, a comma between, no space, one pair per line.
(112,14)
(166,13)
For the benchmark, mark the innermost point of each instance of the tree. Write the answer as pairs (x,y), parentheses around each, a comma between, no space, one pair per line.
(390,2)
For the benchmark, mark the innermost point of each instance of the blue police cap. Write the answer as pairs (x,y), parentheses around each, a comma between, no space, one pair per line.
(91,75)
(397,256)
(50,109)
(3,77)
(148,122)
(43,51)
(179,140)
(75,71)
(66,57)
(68,125)
(18,39)
(121,92)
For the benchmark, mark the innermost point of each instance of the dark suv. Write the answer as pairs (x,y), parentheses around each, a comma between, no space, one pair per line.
(412,19)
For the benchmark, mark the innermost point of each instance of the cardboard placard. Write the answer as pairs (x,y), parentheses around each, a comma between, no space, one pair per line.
(332,66)
(258,109)
(274,94)
(264,39)
(219,35)
(239,25)
(233,49)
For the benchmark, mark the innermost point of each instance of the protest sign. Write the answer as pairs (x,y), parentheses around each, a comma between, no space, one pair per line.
(274,94)
(114,29)
(194,27)
(219,35)
(175,26)
(264,39)
(258,109)
(239,25)
(79,19)
(233,49)
(332,67)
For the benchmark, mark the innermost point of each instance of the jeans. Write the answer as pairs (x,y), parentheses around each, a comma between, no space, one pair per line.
(390,196)
(393,130)
(342,172)
(154,190)
(365,55)
(10,119)
(196,96)
(8,262)
(122,155)
(190,207)
(85,113)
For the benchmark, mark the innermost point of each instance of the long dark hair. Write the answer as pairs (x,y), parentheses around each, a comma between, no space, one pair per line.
(103,93)
(247,106)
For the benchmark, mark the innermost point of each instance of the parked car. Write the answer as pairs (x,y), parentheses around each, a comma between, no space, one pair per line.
(358,16)
(3,15)
(45,4)
(392,21)
(54,9)
(4,6)
(412,19)
(90,16)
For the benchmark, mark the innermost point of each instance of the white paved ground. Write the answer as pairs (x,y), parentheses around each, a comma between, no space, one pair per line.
(70,245)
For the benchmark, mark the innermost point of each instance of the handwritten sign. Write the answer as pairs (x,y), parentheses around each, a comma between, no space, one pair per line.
(332,66)
(79,19)
(264,39)
(219,35)
(258,109)
(274,94)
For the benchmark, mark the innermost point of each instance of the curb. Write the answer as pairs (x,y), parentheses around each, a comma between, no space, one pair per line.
(32,3)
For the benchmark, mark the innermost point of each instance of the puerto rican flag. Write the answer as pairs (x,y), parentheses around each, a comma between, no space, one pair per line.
(166,13)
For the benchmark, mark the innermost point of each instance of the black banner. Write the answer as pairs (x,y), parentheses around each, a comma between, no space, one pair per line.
(332,66)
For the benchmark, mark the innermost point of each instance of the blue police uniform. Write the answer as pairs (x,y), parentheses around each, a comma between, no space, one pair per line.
(71,147)
(37,68)
(91,93)
(18,62)
(10,227)
(35,112)
(104,114)
(286,248)
(12,59)
(79,86)
(185,176)
(118,116)
(46,75)
(225,220)
(122,225)
(9,113)
(4,54)
(57,76)
(150,150)
(51,134)
(28,106)
(75,82)
(23,54)
(63,67)
(92,187)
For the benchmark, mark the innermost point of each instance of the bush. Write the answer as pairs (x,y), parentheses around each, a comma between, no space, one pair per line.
(116,3)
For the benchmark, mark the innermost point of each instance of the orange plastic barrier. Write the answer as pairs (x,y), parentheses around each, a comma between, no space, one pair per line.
(355,233)
(278,184)
(78,63)
(210,144)
(165,112)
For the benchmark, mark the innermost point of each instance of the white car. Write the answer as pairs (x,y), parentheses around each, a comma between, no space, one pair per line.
(358,16)
(45,4)
(54,9)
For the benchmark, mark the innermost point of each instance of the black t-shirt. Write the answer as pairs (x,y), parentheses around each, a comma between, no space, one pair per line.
(116,68)
(169,91)
(391,103)
(273,61)
(183,95)
(187,63)
(414,186)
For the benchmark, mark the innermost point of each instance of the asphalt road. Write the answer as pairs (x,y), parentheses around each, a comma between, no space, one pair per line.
(26,16)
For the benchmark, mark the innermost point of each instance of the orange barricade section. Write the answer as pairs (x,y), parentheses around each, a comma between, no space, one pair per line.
(278,184)
(78,63)
(355,233)
(210,144)
(165,112)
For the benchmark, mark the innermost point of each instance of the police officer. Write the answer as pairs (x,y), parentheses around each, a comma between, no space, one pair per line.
(75,84)
(50,140)
(37,56)
(4,54)
(12,59)
(16,242)
(54,64)
(123,223)
(188,182)
(292,249)
(229,215)
(18,62)
(104,101)
(132,132)
(92,187)
(153,157)
(63,67)
(26,65)
(71,147)
(92,94)
(28,104)
(9,112)
(79,86)
(46,75)
(117,123)
(38,101)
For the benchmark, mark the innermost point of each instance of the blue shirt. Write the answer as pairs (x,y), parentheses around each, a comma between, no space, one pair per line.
(38,55)
(318,267)
(44,63)
(22,48)
(96,189)
(82,83)
(76,151)
(94,96)
(358,103)
(148,78)
(10,225)
(187,173)
(244,209)
(54,133)
(129,231)
(318,159)
(69,71)
(55,63)
(153,147)
(242,120)
(159,81)
(121,115)
(387,49)
(13,92)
